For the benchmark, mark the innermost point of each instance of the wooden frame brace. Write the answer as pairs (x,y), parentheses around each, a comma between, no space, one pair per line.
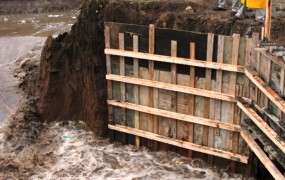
(261,155)
(272,95)
(272,135)
(175,60)
(180,143)
(177,116)
(172,87)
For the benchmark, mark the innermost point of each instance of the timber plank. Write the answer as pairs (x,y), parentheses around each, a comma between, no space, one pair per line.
(173,123)
(176,60)
(264,72)
(206,134)
(122,85)
(274,153)
(282,81)
(183,144)
(272,135)
(234,113)
(172,87)
(143,100)
(272,95)
(151,77)
(266,53)
(199,112)
(191,97)
(166,125)
(255,40)
(136,87)
(268,20)
(183,108)
(174,115)
(219,78)
(174,81)
(261,155)
(226,107)
(109,83)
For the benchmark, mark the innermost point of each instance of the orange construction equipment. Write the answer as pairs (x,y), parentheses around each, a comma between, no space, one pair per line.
(254,3)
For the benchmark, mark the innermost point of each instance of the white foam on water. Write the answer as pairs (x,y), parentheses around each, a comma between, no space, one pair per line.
(84,156)
(54,15)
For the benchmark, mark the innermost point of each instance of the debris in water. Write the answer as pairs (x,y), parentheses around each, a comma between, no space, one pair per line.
(67,138)
(189,9)
(54,16)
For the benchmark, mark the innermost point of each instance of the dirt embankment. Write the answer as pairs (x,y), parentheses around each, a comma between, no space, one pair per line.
(38,6)
(72,71)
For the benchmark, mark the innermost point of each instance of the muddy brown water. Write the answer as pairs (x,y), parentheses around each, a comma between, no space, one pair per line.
(36,24)
(22,37)
(69,151)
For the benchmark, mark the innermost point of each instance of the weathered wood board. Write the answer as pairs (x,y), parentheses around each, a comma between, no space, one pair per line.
(173,43)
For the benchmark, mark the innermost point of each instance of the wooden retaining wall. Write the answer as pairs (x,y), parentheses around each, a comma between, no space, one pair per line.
(187,92)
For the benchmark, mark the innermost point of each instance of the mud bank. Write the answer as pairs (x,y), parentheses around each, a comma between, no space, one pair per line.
(37,6)
(72,71)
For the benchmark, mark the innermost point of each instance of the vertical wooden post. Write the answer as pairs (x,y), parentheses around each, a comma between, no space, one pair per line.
(235,113)
(191,98)
(282,81)
(174,81)
(258,59)
(109,83)
(255,39)
(208,81)
(136,87)
(219,78)
(254,60)
(282,91)
(153,122)
(262,33)
(267,76)
(268,20)
(247,63)
(122,86)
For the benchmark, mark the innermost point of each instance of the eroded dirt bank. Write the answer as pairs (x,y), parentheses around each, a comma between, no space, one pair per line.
(72,72)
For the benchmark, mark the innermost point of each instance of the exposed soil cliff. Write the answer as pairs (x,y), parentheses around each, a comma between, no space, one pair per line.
(72,71)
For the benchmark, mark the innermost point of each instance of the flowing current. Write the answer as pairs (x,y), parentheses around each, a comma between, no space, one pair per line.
(69,150)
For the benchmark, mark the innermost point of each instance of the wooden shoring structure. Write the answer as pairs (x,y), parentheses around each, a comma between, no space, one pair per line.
(160,94)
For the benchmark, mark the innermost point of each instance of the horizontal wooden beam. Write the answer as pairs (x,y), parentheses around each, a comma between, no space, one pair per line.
(265,88)
(271,57)
(270,133)
(175,60)
(172,87)
(261,155)
(177,116)
(180,143)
